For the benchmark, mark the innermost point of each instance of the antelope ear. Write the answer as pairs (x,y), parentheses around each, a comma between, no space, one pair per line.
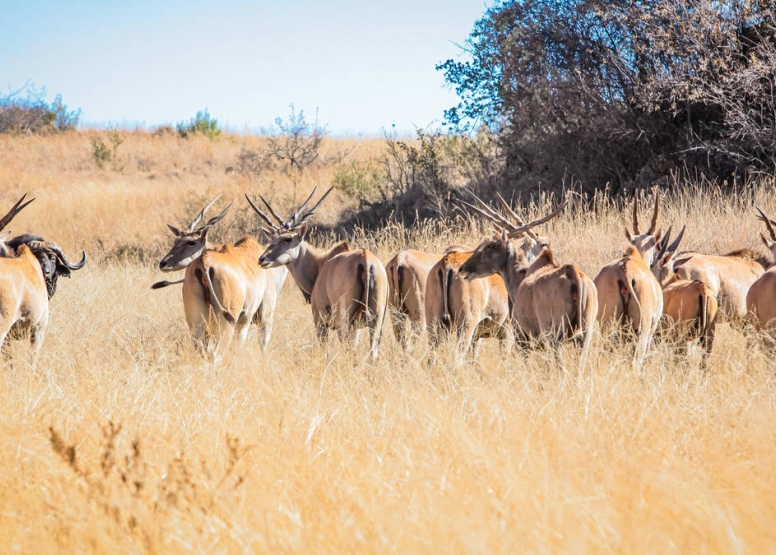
(658,235)
(5,234)
(302,231)
(175,230)
(504,237)
(203,233)
(628,235)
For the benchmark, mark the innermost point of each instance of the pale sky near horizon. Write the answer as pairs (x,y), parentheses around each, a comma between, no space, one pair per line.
(365,66)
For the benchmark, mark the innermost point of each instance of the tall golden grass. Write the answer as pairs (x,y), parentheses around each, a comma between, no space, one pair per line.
(122,439)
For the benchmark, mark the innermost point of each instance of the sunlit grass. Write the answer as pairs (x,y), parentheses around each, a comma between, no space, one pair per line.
(123,439)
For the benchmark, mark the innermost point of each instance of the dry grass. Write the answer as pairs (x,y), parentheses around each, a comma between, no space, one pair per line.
(122,440)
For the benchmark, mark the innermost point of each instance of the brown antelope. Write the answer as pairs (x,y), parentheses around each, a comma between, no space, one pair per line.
(729,277)
(761,297)
(471,309)
(224,288)
(407,276)
(628,292)
(474,309)
(347,289)
(29,269)
(550,302)
(689,306)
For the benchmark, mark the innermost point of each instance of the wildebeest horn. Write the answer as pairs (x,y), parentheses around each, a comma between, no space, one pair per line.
(62,258)
(5,220)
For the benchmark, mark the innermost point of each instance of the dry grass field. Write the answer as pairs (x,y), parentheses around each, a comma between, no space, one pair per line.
(122,439)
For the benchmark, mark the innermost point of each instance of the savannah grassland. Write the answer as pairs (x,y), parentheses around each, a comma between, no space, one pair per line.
(122,439)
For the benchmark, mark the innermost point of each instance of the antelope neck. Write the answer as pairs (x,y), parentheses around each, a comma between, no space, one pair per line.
(306,266)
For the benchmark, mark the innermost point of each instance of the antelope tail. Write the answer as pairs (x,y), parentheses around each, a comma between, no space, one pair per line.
(446,280)
(628,294)
(208,282)
(578,295)
(161,284)
(368,286)
(398,287)
(703,313)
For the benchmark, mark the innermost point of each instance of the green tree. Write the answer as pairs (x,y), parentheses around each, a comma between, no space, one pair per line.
(618,91)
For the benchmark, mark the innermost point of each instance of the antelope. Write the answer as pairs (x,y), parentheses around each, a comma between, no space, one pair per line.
(346,288)
(29,269)
(407,275)
(689,306)
(729,276)
(472,309)
(761,297)
(628,292)
(224,288)
(550,302)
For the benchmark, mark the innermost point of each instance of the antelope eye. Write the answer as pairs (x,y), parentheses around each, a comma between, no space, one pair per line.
(287,239)
(191,243)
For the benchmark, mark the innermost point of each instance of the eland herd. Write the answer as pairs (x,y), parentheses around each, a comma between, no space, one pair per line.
(510,286)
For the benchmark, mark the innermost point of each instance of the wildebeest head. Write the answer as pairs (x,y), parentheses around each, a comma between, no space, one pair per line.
(53,262)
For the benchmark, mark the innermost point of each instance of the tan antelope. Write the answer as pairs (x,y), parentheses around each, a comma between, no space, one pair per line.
(729,277)
(224,288)
(407,276)
(347,289)
(761,297)
(689,306)
(29,269)
(629,294)
(550,302)
(481,308)
(470,309)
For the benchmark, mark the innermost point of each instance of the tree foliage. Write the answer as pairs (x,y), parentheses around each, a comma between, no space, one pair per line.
(621,91)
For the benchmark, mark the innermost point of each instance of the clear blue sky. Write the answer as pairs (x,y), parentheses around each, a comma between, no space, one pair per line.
(365,65)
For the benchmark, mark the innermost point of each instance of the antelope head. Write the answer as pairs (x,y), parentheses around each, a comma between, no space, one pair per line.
(492,255)
(190,242)
(286,236)
(645,243)
(663,264)
(5,220)
(525,239)
(771,244)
